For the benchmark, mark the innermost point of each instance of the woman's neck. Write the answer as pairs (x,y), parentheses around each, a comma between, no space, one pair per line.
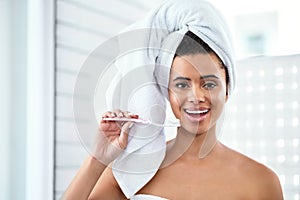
(190,146)
(200,144)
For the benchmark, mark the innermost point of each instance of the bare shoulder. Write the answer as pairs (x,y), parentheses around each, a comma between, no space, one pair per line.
(107,187)
(261,180)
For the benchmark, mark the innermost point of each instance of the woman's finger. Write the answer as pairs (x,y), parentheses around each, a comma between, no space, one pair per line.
(109,114)
(123,138)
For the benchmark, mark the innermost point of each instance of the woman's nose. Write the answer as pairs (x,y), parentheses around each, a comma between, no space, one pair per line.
(197,95)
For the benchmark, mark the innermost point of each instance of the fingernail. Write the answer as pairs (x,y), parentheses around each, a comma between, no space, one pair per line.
(135,116)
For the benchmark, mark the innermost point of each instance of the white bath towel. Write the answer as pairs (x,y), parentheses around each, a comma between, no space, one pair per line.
(140,86)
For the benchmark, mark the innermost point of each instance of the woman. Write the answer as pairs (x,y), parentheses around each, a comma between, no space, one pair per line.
(198,87)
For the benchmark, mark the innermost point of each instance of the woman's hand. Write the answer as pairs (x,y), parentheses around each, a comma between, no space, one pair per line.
(112,137)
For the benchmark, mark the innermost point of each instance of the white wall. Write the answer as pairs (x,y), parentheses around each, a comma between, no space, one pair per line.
(20,73)
(40,100)
(5,99)
(13,98)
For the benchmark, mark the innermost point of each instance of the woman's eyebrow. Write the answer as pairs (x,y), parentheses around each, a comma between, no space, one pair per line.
(201,77)
(181,78)
(209,76)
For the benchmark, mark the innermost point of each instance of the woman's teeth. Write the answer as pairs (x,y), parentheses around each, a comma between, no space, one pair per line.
(196,111)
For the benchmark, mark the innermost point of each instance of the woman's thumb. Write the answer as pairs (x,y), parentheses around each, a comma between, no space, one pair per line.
(123,138)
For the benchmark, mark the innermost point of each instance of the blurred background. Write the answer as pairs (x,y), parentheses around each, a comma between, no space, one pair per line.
(44,44)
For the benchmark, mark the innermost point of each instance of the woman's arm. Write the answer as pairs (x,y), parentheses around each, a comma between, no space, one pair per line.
(111,140)
(85,180)
(107,187)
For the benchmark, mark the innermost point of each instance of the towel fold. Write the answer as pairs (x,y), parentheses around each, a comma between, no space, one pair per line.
(141,84)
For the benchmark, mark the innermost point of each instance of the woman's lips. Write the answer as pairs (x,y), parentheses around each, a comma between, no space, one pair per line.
(196,115)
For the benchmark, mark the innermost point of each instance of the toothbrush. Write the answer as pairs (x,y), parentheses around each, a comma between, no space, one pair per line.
(142,121)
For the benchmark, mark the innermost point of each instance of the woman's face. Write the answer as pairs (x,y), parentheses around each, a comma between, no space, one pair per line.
(197,91)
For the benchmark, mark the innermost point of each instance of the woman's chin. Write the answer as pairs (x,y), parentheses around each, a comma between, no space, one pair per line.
(195,129)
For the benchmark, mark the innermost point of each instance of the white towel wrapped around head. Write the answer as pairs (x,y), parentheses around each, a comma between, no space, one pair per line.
(142,81)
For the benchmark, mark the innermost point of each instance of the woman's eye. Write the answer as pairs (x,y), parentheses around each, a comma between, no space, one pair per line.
(209,85)
(181,85)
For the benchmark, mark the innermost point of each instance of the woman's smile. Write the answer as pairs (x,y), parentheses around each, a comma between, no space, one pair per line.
(196,115)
